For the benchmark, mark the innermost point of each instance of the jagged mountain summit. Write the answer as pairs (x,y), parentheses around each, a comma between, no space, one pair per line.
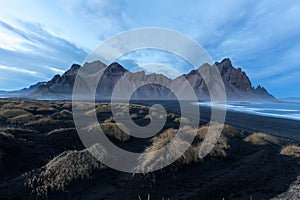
(237,84)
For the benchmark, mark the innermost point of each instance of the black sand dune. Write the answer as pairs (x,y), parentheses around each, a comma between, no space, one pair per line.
(42,157)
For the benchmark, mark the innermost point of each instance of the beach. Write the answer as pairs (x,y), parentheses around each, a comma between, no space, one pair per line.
(42,157)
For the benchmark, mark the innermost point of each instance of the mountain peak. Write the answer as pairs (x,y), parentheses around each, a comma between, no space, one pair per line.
(226,61)
(93,67)
(116,68)
(73,70)
(236,82)
(224,66)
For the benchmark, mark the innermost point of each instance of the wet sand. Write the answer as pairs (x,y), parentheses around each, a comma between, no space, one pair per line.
(286,128)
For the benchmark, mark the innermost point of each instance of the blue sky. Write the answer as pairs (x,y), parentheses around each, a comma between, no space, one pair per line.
(41,38)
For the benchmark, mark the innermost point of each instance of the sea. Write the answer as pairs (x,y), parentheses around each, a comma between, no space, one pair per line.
(286,110)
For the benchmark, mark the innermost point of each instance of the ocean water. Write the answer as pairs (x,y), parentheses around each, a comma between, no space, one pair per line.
(285,110)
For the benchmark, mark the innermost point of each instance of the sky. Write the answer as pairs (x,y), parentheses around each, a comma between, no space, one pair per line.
(39,39)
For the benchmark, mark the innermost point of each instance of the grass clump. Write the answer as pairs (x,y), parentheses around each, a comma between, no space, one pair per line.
(155,158)
(47,121)
(114,130)
(291,150)
(103,108)
(264,139)
(11,113)
(134,116)
(62,171)
(22,119)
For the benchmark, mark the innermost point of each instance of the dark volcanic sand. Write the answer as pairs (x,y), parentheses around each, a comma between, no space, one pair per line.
(36,155)
(276,126)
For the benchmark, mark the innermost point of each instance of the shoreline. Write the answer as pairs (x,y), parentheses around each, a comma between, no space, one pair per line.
(285,128)
(250,122)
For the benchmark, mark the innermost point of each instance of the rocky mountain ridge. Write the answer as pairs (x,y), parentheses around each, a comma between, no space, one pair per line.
(237,84)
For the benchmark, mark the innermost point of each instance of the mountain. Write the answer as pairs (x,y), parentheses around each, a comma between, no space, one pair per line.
(22,92)
(237,84)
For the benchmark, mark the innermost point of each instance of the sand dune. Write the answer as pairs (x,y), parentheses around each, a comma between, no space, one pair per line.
(41,156)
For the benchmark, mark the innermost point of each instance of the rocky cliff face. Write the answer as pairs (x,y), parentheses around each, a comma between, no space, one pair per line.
(236,82)
(238,85)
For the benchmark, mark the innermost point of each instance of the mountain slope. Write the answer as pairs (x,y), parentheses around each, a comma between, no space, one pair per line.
(237,84)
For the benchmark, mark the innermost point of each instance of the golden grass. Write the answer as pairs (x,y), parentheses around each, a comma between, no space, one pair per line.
(113,129)
(14,112)
(62,171)
(142,111)
(264,139)
(103,108)
(147,117)
(22,119)
(291,150)
(48,121)
(134,116)
(183,120)
(155,159)
(110,120)
(61,131)
(8,106)
(110,129)
(66,114)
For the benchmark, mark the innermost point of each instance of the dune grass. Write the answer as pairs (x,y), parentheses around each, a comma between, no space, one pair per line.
(22,119)
(113,130)
(47,121)
(62,171)
(11,113)
(264,139)
(110,129)
(66,114)
(291,150)
(154,158)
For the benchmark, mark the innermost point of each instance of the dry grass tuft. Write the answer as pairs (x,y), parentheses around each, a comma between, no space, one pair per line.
(8,106)
(11,113)
(231,131)
(45,122)
(264,139)
(113,130)
(183,120)
(110,129)
(61,131)
(66,114)
(147,117)
(46,110)
(103,108)
(291,150)
(22,119)
(155,158)
(62,171)
(134,116)
(110,120)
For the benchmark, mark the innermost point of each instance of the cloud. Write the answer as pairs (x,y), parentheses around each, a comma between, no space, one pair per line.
(104,17)
(28,48)
(55,69)
(156,60)
(19,70)
(151,68)
(260,37)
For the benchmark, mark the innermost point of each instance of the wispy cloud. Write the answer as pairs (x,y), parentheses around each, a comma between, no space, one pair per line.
(27,47)
(19,70)
(261,37)
(55,70)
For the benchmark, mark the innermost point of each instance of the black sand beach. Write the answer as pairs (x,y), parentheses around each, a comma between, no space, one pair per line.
(286,128)
(42,157)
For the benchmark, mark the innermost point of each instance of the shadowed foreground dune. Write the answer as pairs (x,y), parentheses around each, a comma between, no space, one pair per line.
(42,157)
